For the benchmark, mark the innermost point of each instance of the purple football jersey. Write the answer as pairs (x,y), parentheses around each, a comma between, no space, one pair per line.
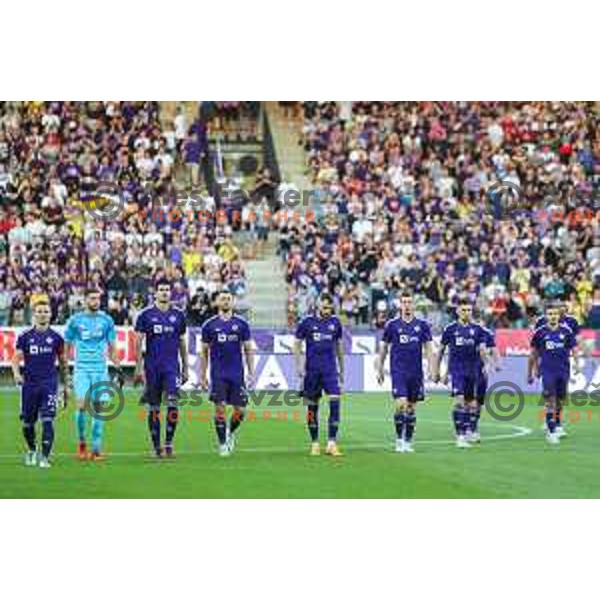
(321,337)
(225,338)
(163,329)
(554,348)
(406,339)
(41,348)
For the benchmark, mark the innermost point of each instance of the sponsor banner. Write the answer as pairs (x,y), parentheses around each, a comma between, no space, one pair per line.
(276,367)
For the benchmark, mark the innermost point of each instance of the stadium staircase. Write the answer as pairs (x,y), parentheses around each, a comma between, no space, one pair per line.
(266,278)
(267,294)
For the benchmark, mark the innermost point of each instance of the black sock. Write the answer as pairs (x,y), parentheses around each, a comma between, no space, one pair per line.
(475,414)
(47,437)
(29,435)
(458,416)
(171,424)
(154,427)
(237,416)
(221,426)
(312,419)
(399,423)
(410,421)
(333,422)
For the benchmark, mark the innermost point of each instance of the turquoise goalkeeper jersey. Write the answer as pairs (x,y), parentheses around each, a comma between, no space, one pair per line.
(91,333)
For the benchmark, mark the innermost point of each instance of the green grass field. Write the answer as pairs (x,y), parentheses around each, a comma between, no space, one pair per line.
(271,459)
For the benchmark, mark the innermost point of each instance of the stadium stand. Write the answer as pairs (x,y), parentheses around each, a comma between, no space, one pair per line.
(403,204)
(53,157)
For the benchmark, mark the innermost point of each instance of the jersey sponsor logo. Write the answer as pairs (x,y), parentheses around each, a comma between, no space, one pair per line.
(463,341)
(224,337)
(553,345)
(157,329)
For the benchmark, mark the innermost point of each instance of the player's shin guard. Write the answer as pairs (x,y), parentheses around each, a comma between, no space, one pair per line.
(551,419)
(333,422)
(154,427)
(410,422)
(171,425)
(458,416)
(29,435)
(237,416)
(557,416)
(399,419)
(221,426)
(47,437)
(312,420)
(81,418)
(475,414)
(97,435)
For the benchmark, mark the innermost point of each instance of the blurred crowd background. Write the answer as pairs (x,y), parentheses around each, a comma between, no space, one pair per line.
(54,155)
(401,203)
(404,205)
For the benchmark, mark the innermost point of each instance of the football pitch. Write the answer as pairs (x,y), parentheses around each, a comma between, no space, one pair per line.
(271,459)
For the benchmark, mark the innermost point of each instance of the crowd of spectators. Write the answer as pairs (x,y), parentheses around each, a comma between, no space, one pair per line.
(53,158)
(403,205)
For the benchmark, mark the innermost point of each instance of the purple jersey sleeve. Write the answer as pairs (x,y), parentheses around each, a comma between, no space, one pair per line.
(338,330)
(573,324)
(20,345)
(182,324)
(426,334)
(536,340)
(206,333)
(245,332)
(140,322)
(571,341)
(446,336)
(301,330)
(388,334)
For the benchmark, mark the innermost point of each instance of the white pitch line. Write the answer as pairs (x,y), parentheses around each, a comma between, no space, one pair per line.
(518,432)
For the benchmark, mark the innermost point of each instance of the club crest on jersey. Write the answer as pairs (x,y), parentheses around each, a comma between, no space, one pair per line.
(172,318)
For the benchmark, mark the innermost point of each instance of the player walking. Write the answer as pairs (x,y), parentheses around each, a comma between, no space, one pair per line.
(408,337)
(38,349)
(321,369)
(225,337)
(484,368)
(570,321)
(92,334)
(551,349)
(163,365)
(464,339)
